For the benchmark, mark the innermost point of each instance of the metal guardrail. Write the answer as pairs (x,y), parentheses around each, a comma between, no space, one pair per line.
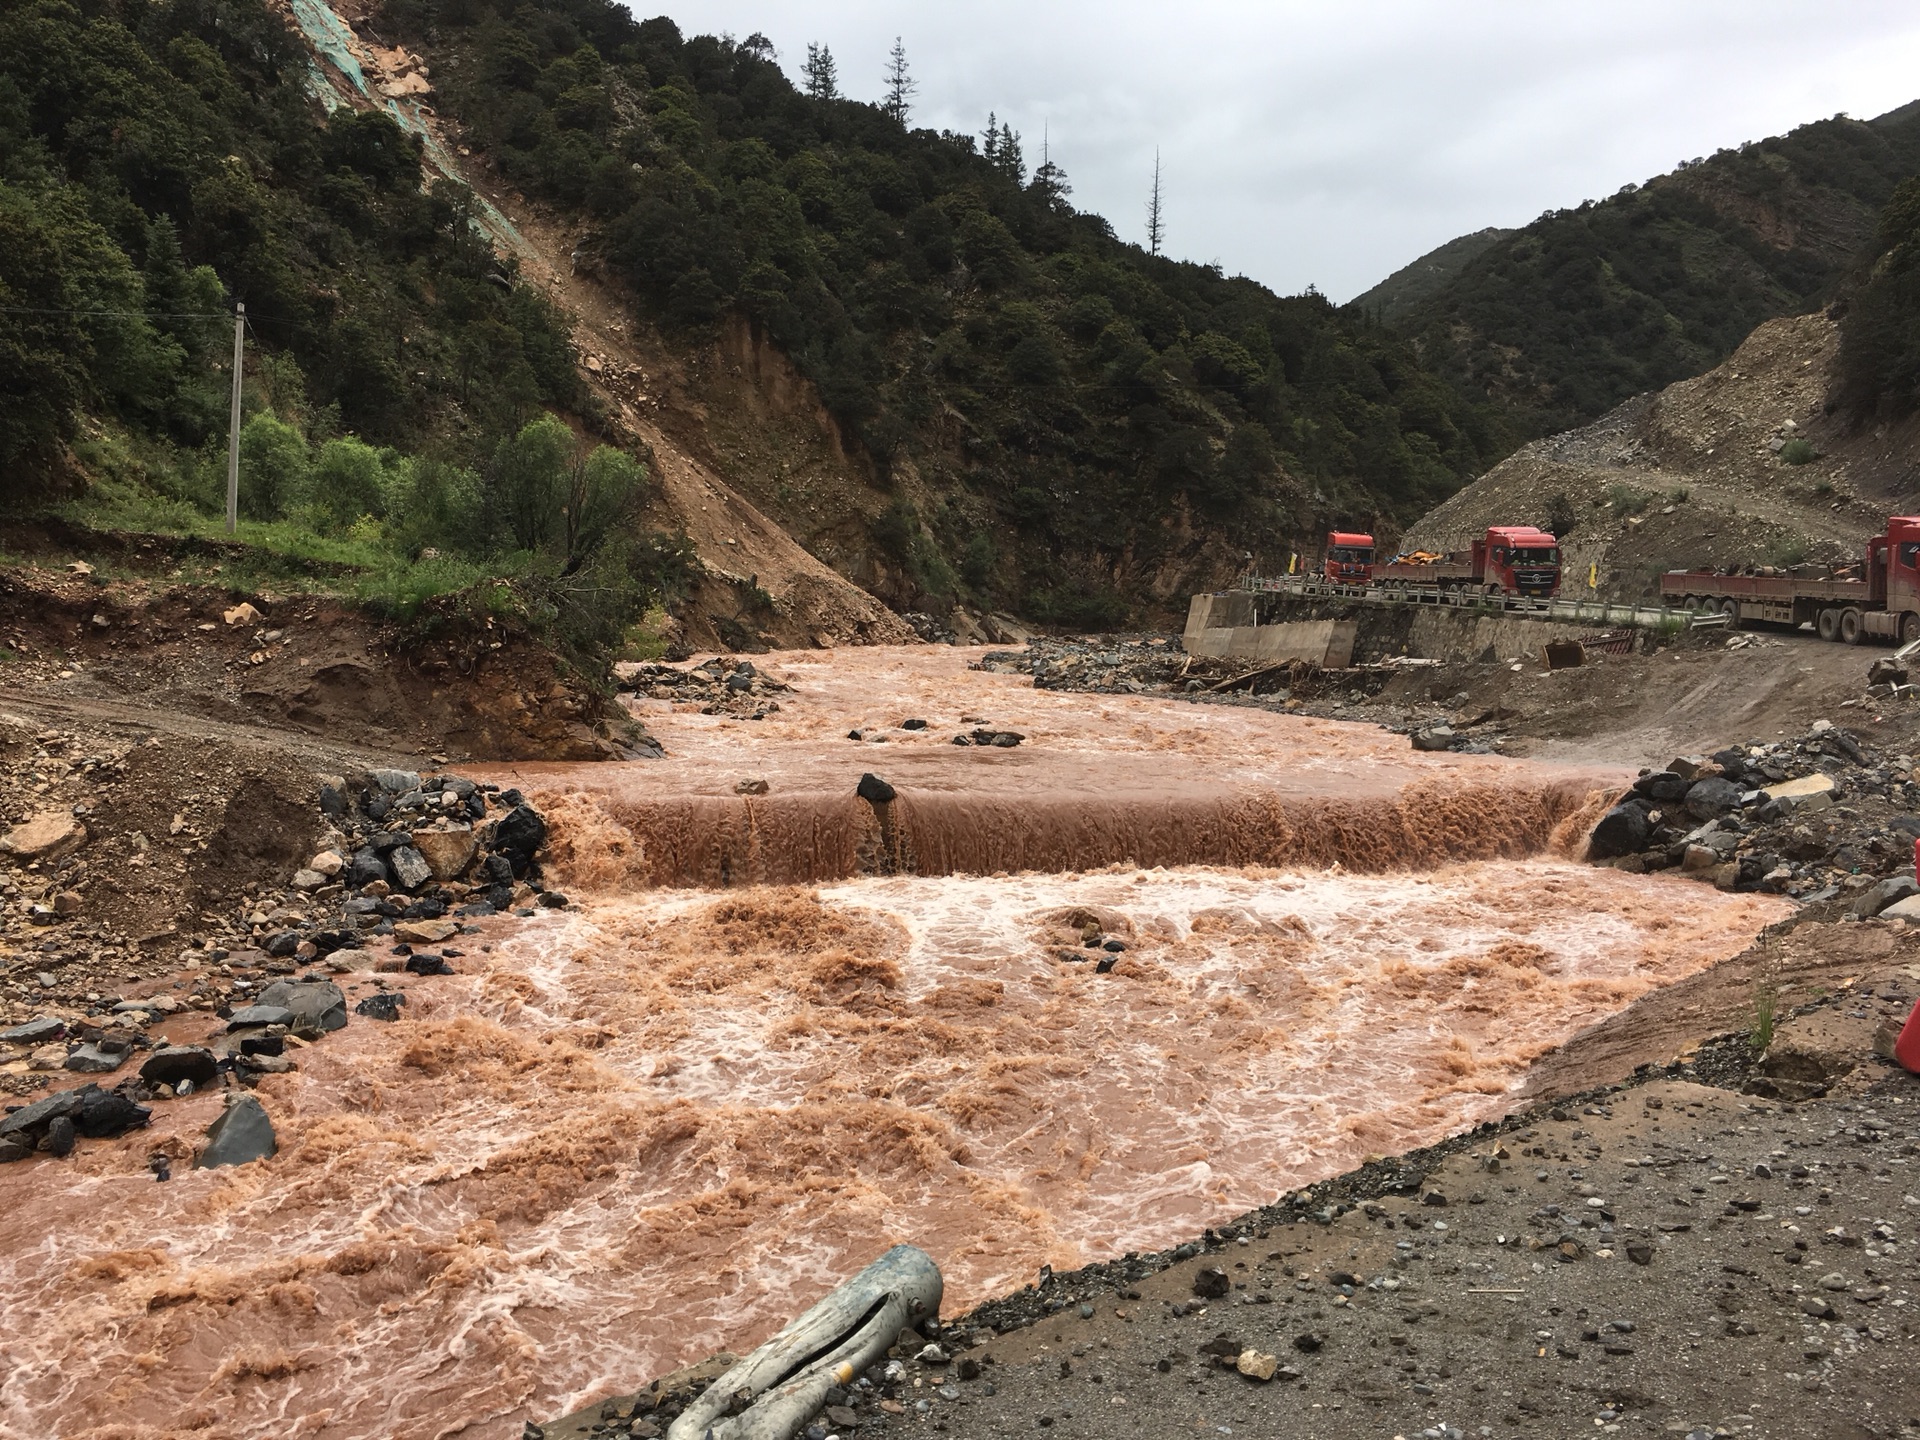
(1586,612)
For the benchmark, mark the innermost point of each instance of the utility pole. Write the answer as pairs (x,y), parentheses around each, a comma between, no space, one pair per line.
(233,420)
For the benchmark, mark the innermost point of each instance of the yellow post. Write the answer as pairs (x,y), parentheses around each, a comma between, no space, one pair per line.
(1593,575)
(1293,562)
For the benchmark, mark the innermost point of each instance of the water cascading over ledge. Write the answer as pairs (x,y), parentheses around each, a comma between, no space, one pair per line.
(613,838)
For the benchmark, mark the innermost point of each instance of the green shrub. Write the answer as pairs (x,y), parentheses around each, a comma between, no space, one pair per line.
(1798,451)
(1625,500)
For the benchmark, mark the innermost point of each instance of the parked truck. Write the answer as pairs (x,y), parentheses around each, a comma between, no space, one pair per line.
(1879,600)
(1349,558)
(1507,560)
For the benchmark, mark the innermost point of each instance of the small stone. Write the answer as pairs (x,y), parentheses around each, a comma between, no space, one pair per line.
(1211,1283)
(328,863)
(875,791)
(1640,1252)
(932,1355)
(308,880)
(751,787)
(425,932)
(383,1006)
(1256,1365)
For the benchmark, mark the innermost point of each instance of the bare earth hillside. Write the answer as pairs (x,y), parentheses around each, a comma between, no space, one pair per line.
(1693,475)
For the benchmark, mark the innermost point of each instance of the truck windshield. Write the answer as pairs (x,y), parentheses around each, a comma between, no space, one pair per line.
(1343,555)
(1546,556)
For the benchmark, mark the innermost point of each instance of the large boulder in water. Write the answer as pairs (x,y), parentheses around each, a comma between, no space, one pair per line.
(1623,830)
(242,1133)
(317,1005)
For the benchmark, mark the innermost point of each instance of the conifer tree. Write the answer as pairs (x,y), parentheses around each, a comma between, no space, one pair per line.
(900,84)
(1050,180)
(1156,215)
(823,78)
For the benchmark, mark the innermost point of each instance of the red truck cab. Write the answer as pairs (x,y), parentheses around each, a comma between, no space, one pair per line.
(1518,560)
(1349,558)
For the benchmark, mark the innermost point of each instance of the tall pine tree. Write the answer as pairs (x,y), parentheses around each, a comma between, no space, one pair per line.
(900,84)
(823,76)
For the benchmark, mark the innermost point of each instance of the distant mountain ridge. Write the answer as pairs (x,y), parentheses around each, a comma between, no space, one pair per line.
(1561,320)
(1396,296)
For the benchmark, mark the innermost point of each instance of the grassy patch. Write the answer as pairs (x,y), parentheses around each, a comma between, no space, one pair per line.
(1625,500)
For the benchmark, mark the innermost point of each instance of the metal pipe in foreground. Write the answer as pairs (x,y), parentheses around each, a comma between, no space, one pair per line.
(772,1393)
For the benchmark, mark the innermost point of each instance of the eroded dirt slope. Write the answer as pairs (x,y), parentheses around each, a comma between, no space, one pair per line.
(1692,476)
(758,587)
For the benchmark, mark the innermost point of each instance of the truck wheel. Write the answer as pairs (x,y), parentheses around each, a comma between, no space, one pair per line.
(1909,628)
(1852,626)
(1692,604)
(1827,625)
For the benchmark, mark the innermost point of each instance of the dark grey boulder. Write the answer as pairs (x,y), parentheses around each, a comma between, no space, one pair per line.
(259,1015)
(98,1059)
(60,1137)
(106,1113)
(181,1062)
(317,1005)
(366,868)
(1623,830)
(1434,738)
(395,782)
(519,833)
(242,1133)
(1887,892)
(1663,786)
(875,791)
(35,1032)
(383,1006)
(1713,797)
(35,1117)
(410,868)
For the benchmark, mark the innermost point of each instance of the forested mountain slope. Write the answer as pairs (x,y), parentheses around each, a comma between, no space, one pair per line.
(1042,417)
(1570,315)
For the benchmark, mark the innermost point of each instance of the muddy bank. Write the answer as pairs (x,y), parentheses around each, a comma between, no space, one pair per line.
(174,658)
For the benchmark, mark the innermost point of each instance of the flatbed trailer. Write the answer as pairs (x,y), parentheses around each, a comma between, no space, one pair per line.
(1883,603)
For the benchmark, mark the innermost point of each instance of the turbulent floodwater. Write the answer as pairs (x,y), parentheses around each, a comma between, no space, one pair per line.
(659,1126)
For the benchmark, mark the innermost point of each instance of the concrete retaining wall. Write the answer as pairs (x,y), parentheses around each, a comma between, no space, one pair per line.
(1227,627)
(1243,625)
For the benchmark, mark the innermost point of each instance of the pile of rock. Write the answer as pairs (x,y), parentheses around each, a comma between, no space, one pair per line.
(411,862)
(720,686)
(1110,665)
(1822,818)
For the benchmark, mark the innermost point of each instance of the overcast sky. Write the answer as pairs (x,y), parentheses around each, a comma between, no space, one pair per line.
(1330,143)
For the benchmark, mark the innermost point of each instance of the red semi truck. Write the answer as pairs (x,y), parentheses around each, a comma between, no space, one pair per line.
(1508,560)
(1882,602)
(1349,558)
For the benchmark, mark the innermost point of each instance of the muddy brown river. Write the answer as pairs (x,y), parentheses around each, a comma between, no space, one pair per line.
(783,1031)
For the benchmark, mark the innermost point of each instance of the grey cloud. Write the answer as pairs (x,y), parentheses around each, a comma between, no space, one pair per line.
(1330,143)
